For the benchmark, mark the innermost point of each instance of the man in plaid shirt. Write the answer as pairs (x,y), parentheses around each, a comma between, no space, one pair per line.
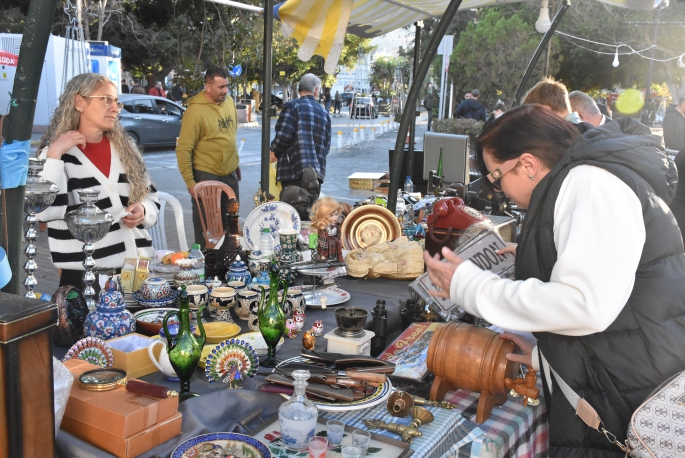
(303,136)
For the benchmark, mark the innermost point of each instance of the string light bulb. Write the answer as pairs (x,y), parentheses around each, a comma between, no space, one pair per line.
(543,24)
(615,62)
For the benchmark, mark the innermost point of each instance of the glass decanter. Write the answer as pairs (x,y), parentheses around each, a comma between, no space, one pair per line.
(297,416)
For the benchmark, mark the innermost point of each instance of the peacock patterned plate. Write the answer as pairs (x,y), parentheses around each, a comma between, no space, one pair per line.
(277,216)
(92,350)
(222,444)
(378,396)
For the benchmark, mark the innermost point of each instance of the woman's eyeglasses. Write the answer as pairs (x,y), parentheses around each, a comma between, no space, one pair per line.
(109,100)
(496,175)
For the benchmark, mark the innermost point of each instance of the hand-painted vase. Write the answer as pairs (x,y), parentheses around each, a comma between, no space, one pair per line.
(238,272)
(110,318)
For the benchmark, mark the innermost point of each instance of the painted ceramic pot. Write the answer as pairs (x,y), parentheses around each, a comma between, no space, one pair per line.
(287,306)
(155,289)
(212,283)
(110,318)
(238,272)
(253,320)
(253,262)
(220,302)
(197,295)
(296,300)
(71,314)
(236,285)
(186,276)
(246,300)
(287,273)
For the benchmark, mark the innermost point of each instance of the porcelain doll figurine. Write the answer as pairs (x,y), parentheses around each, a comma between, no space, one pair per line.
(317,329)
(299,318)
(326,219)
(292,328)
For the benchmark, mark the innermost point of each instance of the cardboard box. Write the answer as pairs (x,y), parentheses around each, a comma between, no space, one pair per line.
(128,271)
(126,447)
(117,411)
(142,272)
(136,363)
(366,181)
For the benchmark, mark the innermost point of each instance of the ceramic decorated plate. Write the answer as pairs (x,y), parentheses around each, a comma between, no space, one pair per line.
(369,225)
(160,303)
(334,296)
(222,444)
(257,341)
(277,216)
(149,321)
(378,396)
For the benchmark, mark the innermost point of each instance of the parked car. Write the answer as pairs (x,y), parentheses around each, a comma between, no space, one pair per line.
(275,102)
(363,107)
(150,120)
(347,98)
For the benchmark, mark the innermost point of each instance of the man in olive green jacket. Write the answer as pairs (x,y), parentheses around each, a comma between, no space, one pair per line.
(207,143)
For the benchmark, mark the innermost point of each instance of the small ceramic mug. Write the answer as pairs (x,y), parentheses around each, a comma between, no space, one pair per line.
(296,299)
(162,363)
(220,303)
(197,295)
(236,285)
(155,289)
(243,307)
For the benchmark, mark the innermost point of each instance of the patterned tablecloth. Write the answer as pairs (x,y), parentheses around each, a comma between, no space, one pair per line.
(511,431)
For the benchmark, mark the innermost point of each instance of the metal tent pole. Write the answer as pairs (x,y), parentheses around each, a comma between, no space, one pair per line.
(413,96)
(412,133)
(655,37)
(266,104)
(19,123)
(541,47)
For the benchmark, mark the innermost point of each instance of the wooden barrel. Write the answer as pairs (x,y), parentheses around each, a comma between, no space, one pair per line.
(474,358)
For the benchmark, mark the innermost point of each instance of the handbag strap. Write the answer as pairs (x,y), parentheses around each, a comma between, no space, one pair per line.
(583,408)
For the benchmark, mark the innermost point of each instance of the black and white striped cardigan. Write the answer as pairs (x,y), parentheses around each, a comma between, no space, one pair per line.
(75,171)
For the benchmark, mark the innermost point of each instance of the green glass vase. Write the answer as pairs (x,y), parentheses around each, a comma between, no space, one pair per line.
(271,315)
(184,348)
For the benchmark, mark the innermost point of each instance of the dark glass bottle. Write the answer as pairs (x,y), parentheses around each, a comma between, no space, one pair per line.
(271,315)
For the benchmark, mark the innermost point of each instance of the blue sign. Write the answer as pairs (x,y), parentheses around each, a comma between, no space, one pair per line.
(235,71)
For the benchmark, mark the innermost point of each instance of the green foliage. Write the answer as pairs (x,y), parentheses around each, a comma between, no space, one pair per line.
(383,73)
(493,54)
(458,126)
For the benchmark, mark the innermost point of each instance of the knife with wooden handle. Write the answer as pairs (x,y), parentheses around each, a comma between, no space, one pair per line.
(354,374)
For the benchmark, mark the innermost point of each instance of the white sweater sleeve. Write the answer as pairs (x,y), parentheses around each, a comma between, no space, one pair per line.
(599,235)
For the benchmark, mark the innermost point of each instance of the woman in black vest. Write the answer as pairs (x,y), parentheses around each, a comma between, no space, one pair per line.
(600,268)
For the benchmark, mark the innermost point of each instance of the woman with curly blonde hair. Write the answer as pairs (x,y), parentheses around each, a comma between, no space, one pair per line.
(86,147)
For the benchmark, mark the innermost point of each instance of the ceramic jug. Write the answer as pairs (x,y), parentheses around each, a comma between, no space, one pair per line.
(163,363)
(271,315)
(184,349)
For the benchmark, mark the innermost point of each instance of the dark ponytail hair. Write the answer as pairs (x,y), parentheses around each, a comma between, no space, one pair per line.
(531,128)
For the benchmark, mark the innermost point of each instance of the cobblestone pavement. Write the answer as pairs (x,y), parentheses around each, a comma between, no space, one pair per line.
(341,163)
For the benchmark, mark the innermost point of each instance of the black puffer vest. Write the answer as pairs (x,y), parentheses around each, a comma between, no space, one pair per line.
(615,370)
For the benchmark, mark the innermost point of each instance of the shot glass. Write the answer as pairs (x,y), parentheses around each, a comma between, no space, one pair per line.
(317,447)
(351,451)
(361,439)
(335,429)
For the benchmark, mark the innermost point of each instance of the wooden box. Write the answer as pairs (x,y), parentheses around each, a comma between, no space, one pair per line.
(364,181)
(27,412)
(136,363)
(117,411)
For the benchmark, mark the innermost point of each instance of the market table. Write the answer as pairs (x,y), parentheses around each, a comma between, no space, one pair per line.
(219,409)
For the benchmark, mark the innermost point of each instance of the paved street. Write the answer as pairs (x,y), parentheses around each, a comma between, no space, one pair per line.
(161,163)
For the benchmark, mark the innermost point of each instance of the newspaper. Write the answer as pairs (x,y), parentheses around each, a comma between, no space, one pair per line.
(481,250)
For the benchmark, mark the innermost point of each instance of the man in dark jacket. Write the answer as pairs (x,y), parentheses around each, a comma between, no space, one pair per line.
(674,126)
(471,108)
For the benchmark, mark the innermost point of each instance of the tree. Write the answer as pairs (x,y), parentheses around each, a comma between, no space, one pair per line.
(493,54)
(383,72)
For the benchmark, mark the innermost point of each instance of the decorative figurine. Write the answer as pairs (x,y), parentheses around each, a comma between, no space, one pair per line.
(317,329)
(292,328)
(309,340)
(231,359)
(299,318)
(325,218)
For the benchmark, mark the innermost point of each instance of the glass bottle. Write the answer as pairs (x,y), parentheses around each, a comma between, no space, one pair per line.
(199,267)
(297,416)
(272,316)
(266,242)
(231,246)
(184,349)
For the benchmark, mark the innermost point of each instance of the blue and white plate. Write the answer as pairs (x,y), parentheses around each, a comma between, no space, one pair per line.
(277,216)
(222,444)
(154,303)
(378,396)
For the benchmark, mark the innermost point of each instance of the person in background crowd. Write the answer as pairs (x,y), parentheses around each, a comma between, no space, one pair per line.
(496,113)
(124,87)
(587,109)
(428,104)
(137,88)
(303,136)
(471,108)
(86,147)
(327,101)
(207,148)
(338,102)
(177,93)
(603,107)
(554,95)
(674,126)
(599,267)
(158,90)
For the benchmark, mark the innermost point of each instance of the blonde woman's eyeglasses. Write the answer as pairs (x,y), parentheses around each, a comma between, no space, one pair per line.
(109,100)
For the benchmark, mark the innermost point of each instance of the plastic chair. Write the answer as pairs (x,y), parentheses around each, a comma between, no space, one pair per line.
(208,201)
(158,233)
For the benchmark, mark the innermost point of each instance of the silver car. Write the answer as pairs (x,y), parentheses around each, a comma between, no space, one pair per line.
(150,120)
